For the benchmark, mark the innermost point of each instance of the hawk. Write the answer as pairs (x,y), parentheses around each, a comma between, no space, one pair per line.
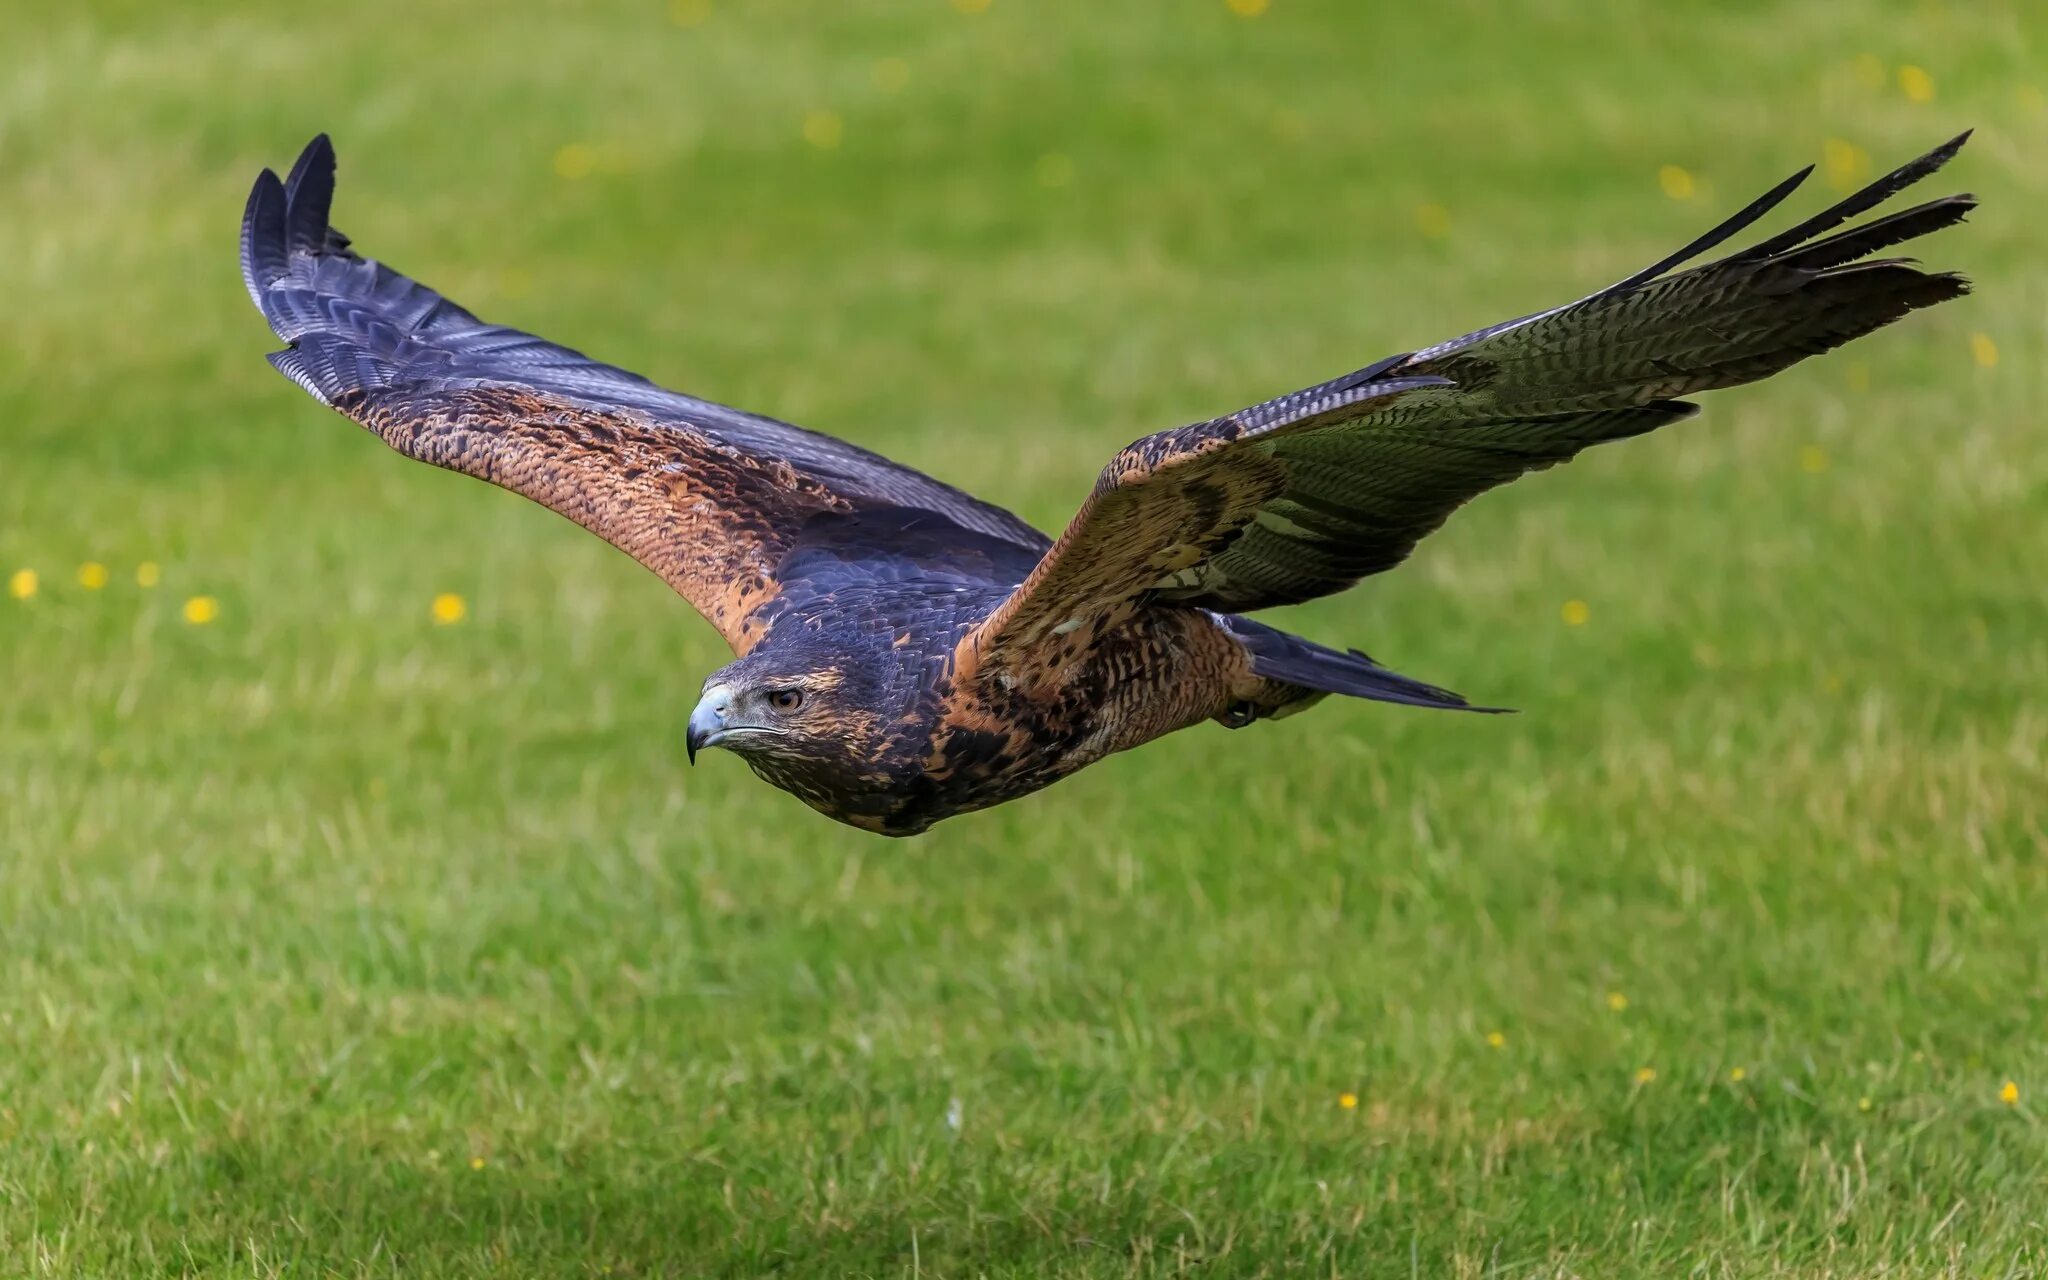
(905,651)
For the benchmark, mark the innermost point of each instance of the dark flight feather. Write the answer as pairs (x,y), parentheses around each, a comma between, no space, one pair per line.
(1871,196)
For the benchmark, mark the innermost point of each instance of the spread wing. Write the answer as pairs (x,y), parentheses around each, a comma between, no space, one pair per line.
(1304,495)
(706,496)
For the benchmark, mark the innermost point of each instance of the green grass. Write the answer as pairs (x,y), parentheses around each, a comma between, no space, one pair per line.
(333,942)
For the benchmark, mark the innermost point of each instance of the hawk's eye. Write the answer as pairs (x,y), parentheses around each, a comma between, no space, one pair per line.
(785,699)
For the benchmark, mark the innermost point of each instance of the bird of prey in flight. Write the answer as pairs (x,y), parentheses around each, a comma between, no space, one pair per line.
(907,652)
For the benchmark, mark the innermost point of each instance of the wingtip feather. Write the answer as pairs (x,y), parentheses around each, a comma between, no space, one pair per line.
(1858,202)
(317,153)
(309,196)
(264,253)
(1743,218)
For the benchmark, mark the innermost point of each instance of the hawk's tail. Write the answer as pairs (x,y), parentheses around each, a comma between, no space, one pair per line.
(1276,655)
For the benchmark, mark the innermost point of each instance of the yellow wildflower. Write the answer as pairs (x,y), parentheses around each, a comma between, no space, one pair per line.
(1497,1039)
(2009,1093)
(1617,1001)
(1736,1075)
(1348,1101)
(449,609)
(823,129)
(1845,163)
(1864,1103)
(92,575)
(476,1162)
(575,160)
(1676,182)
(1916,84)
(1983,350)
(1645,1075)
(200,610)
(1248,8)
(22,586)
(1575,613)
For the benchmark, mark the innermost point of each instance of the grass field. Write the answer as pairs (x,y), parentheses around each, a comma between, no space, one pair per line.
(336,940)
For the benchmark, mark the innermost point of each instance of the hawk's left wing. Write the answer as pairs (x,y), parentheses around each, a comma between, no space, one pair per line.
(1304,495)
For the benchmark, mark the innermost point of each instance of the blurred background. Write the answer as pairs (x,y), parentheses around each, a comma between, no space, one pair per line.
(357,911)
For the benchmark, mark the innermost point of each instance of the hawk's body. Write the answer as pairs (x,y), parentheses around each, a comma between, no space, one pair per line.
(908,652)
(874,597)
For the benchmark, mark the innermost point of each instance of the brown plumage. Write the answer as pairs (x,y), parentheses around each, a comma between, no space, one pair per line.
(907,652)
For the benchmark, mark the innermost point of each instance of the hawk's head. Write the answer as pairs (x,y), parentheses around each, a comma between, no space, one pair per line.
(815,719)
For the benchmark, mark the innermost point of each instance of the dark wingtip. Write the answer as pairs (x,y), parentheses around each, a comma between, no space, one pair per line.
(264,254)
(1876,193)
(1748,214)
(1869,197)
(1845,247)
(318,153)
(309,195)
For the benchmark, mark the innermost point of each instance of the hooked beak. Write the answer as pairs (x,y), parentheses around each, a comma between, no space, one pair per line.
(707,722)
